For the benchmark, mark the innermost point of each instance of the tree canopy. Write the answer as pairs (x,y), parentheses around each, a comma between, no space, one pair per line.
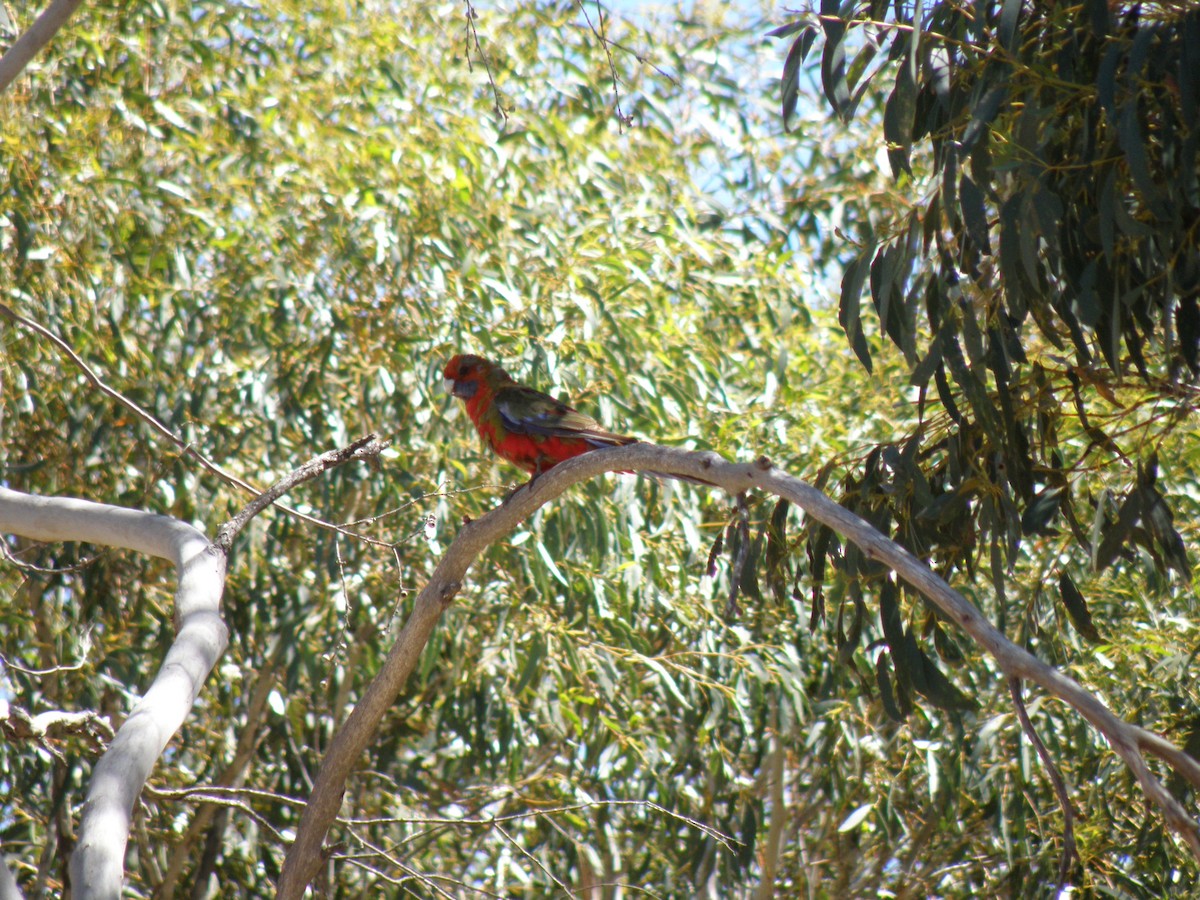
(269,227)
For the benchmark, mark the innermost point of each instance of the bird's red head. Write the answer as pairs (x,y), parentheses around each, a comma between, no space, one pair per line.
(465,372)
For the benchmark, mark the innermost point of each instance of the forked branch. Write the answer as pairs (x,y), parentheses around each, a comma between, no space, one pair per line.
(97,865)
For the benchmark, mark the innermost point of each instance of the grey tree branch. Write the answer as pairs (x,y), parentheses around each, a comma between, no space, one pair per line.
(233,775)
(38,36)
(1128,741)
(97,865)
(8,884)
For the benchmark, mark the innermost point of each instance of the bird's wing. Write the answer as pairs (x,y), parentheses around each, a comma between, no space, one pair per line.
(526,411)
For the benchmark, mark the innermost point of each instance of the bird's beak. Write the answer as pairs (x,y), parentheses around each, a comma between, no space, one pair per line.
(463,389)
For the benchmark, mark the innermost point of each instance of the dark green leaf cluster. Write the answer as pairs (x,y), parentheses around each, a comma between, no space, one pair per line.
(1047,281)
(1041,286)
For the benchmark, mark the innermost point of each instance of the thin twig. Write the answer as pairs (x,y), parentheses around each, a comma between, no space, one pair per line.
(11,558)
(40,673)
(432,495)
(529,856)
(1070,853)
(153,793)
(625,48)
(97,382)
(364,448)
(411,874)
(622,119)
(343,641)
(473,37)
(430,881)
(212,793)
(184,446)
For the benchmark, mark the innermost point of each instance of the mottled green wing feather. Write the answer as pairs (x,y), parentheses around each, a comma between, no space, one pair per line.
(526,411)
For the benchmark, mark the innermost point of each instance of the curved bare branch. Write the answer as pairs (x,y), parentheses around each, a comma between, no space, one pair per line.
(1128,741)
(97,865)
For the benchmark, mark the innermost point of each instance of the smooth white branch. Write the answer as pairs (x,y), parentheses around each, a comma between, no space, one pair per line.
(97,864)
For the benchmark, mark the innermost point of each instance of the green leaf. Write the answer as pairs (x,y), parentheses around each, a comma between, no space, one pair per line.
(833,58)
(898,115)
(947,648)
(886,277)
(1133,145)
(1043,509)
(927,366)
(537,652)
(789,85)
(856,818)
(849,315)
(1106,77)
(776,555)
(667,680)
(1187,325)
(982,114)
(1161,524)
(974,213)
(1114,535)
(1077,609)
(749,576)
(714,553)
(883,681)
(889,616)
(172,117)
(551,565)
(1010,14)
(939,690)
(788,29)
(847,641)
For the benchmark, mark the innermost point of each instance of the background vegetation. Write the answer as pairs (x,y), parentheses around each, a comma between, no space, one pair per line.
(271,226)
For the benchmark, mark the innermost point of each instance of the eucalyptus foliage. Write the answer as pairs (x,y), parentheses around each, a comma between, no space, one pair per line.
(1042,285)
(270,226)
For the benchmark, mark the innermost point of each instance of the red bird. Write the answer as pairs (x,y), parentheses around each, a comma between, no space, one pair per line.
(526,427)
